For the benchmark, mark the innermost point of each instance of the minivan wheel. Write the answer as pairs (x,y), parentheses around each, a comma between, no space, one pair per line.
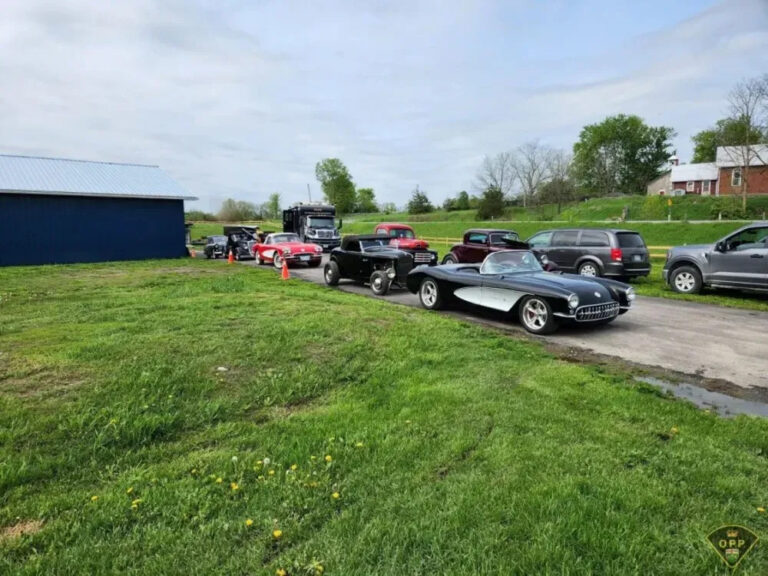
(589,269)
(686,280)
(536,315)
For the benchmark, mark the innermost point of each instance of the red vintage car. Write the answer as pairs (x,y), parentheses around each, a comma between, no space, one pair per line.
(287,246)
(401,236)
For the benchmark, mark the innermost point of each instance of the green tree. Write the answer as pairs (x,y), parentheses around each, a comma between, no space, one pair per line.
(273,206)
(449,204)
(557,191)
(726,132)
(419,203)
(237,211)
(462,201)
(388,208)
(621,154)
(366,200)
(491,204)
(337,184)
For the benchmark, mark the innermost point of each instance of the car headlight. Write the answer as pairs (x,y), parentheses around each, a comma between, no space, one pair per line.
(544,260)
(318,249)
(631,294)
(286,251)
(391,273)
(573,301)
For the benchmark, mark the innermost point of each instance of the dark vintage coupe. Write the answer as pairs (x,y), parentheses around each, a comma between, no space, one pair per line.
(477,243)
(370,259)
(215,246)
(513,282)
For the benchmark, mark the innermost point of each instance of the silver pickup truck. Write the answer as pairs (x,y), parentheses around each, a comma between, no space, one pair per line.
(740,261)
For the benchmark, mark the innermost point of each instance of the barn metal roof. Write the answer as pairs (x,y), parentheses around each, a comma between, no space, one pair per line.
(59,176)
(699,171)
(731,156)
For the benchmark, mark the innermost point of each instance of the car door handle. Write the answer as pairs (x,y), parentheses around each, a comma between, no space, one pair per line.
(756,256)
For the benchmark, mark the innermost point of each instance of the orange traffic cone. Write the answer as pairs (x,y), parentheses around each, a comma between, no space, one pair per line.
(285,274)
(231,257)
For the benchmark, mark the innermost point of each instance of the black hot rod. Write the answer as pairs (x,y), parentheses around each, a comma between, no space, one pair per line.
(513,281)
(370,259)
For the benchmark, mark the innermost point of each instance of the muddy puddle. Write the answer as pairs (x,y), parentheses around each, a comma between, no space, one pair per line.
(722,404)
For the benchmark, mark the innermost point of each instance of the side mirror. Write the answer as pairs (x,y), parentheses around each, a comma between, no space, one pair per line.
(341,223)
(720,246)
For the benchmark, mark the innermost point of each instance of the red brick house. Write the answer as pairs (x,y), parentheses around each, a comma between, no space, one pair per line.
(732,173)
(725,176)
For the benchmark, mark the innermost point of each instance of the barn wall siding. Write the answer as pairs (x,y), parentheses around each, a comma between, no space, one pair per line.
(41,229)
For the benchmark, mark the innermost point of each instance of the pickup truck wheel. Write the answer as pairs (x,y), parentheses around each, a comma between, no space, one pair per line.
(536,315)
(331,273)
(589,269)
(686,280)
(450,258)
(429,294)
(380,283)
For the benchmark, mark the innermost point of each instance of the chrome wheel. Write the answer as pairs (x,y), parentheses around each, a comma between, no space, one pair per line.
(685,282)
(277,260)
(588,270)
(535,314)
(377,283)
(429,293)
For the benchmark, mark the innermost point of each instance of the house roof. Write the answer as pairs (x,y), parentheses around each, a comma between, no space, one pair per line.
(689,172)
(58,176)
(730,156)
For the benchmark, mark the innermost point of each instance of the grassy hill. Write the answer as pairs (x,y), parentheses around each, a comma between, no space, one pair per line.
(189,417)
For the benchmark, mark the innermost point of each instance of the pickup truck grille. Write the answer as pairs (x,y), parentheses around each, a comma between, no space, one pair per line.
(597,312)
(422,257)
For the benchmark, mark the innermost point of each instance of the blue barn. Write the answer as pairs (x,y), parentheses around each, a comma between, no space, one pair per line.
(56,211)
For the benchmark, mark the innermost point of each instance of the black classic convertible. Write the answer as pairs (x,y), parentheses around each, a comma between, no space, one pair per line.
(514,281)
(370,259)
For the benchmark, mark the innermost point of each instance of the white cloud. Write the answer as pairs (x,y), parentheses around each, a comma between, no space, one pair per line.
(241,99)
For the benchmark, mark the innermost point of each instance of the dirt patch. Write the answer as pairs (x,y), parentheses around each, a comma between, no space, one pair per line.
(467,453)
(21,528)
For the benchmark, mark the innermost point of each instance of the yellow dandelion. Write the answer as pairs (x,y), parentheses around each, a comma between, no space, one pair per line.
(358,445)
(761,510)
(328,458)
(319,569)
(271,472)
(94,498)
(136,502)
(134,506)
(219,480)
(335,495)
(194,471)
(281,572)
(277,534)
(234,486)
(130,490)
(313,457)
(674,430)
(249,522)
(294,466)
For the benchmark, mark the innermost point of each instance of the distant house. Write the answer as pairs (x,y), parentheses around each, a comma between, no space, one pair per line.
(725,176)
(731,162)
(55,211)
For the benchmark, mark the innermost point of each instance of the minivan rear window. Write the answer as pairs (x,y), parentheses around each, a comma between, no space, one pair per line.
(630,240)
(594,238)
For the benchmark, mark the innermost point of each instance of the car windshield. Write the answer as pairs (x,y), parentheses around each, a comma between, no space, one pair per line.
(285,238)
(375,244)
(510,262)
(320,222)
(401,233)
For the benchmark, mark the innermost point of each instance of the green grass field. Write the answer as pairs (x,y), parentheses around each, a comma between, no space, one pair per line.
(377,439)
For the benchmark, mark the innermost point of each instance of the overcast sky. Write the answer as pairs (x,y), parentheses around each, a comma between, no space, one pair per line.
(241,99)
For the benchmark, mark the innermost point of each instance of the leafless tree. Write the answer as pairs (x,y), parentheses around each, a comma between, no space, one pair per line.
(497,172)
(531,162)
(748,102)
